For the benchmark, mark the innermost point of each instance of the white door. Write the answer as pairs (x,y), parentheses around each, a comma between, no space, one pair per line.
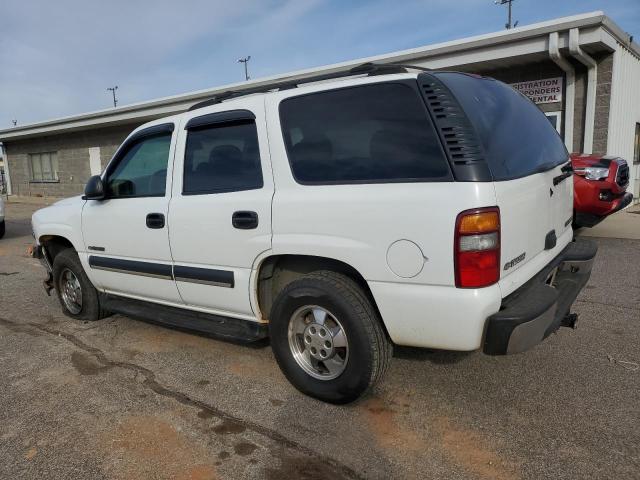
(220,211)
(126,234)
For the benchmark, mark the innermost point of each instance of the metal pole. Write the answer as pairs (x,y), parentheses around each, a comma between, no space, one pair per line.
(510,23)
(113,91)
(246,68)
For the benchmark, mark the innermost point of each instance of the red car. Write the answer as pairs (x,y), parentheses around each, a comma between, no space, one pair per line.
(599,183)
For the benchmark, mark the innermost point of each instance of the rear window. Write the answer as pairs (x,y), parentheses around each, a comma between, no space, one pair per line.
(518,139)
(366,134)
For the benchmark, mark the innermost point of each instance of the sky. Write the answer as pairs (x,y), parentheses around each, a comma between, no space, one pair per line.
(58,58)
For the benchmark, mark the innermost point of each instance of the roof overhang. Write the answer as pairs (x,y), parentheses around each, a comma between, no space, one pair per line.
(505,48)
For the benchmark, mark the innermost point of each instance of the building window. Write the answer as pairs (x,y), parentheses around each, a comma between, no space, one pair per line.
(636,145)
(44,166)
(556,120)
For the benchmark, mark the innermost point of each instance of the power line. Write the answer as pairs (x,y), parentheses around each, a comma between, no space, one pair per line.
(245,60)
(509,24)
(113,91)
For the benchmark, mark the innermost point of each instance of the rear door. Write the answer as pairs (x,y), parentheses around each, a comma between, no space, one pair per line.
(525,155)
(220,211)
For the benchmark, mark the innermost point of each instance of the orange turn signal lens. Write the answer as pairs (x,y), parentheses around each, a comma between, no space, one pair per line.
(479,222)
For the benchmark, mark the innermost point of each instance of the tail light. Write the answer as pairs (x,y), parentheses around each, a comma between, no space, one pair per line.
(477,248)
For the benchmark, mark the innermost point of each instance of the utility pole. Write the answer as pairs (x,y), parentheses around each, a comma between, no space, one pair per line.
(245,60)
(113,91)
(507,25)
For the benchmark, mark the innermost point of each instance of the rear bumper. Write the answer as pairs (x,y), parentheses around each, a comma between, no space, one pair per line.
(536,309)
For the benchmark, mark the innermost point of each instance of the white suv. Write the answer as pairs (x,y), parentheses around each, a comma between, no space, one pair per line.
(337,216)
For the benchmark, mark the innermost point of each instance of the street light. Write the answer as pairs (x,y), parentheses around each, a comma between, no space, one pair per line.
(507,25)
(245,60)
(113,91)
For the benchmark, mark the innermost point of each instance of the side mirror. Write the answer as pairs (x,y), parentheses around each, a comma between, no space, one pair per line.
(94,189)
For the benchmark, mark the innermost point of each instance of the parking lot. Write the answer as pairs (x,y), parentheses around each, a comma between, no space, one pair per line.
(121,398)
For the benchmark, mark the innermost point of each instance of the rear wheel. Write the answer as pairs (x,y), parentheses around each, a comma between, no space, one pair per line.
(328,338)
(77,295)
(2,228)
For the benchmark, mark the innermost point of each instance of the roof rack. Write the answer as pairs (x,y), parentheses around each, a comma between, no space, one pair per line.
(363,69)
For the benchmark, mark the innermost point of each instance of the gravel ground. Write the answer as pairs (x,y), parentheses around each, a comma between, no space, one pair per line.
(122,398)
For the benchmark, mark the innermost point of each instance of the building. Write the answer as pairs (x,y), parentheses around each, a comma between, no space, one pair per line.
(580,70)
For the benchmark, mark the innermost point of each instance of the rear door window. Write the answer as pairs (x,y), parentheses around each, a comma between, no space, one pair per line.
(366,134)
(517,137)
(222,157)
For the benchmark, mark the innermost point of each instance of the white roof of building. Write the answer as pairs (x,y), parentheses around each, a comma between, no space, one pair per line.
(498,49)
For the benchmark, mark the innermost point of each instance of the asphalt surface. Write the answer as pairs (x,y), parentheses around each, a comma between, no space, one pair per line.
(124,399)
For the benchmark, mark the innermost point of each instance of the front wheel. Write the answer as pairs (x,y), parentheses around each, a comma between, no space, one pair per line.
(328,338)
(2,229)
(78,297)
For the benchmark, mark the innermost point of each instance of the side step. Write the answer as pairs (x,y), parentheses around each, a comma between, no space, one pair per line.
(226,328)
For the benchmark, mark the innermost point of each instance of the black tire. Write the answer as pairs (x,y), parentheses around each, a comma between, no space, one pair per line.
(369,348)
(2,228)
(91,309)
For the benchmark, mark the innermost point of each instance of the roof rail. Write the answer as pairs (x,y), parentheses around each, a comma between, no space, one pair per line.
(364,69)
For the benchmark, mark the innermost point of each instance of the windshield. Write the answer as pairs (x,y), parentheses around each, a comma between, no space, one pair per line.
(517,137)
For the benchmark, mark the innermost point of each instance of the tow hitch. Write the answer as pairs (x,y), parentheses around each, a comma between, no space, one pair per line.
(570,320)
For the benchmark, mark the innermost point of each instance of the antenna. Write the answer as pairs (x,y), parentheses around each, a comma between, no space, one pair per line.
(245,60)
(113,91)
(509,23)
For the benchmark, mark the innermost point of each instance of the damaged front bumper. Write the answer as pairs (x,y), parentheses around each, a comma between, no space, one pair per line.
(39,252)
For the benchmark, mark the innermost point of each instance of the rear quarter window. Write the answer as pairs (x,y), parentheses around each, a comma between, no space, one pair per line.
(366,134)
(517,138)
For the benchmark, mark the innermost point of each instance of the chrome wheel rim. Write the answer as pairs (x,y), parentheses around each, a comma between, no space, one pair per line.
(318,342)
(71,291)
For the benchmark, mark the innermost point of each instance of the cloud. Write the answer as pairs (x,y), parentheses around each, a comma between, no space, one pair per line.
(58,57)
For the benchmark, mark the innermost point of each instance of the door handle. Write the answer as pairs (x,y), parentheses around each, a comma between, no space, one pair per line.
(155,220)
(244,220)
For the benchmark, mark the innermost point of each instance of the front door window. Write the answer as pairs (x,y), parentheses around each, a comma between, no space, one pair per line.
(142,169)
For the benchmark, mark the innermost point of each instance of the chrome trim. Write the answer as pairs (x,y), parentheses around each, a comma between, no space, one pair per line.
(203,282)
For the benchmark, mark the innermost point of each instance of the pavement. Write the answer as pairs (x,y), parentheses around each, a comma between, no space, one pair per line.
(624,224)
(123,399)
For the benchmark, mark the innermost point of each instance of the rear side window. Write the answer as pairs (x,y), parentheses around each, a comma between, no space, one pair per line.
(222,158)
(518,139)
(367,134)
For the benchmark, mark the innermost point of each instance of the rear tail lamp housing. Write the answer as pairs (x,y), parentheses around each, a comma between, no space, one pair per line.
(477,248)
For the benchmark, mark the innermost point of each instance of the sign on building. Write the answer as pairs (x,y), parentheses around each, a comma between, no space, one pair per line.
(547,90)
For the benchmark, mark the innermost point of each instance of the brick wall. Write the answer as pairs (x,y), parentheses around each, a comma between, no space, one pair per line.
(73,159)
(603,102)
